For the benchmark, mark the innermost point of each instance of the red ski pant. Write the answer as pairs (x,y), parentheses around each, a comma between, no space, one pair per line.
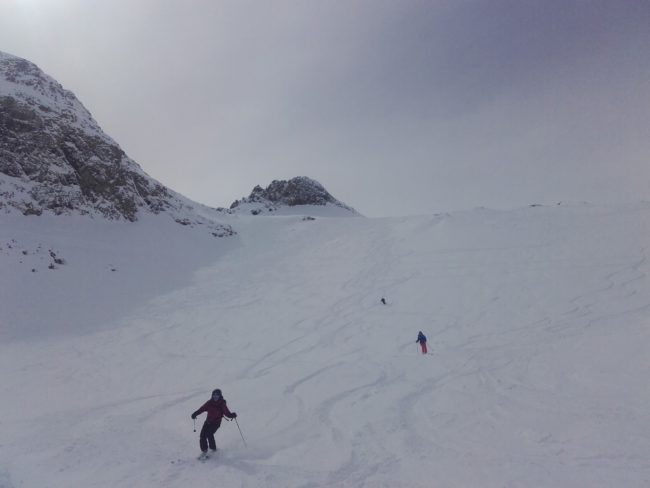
(424,347)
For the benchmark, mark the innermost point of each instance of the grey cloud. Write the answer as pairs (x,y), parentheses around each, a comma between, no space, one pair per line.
(396,107)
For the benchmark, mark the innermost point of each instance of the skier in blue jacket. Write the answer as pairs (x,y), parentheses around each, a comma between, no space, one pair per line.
(422,339)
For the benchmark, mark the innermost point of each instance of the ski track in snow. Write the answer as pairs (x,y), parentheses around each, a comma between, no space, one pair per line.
(537,372)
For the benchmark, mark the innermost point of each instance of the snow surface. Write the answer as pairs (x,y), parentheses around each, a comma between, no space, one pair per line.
(537,319)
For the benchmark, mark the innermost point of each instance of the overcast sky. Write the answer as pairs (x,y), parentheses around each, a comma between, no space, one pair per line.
(396,107)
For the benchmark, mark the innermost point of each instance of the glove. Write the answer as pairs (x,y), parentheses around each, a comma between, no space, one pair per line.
(233,415)
(193,416)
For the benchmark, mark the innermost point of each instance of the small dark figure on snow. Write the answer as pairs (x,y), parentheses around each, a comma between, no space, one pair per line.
(217,409)
(383,300)
(422,339)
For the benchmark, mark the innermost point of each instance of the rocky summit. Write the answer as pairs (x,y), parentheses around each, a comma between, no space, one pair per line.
(54,157)
(299,191)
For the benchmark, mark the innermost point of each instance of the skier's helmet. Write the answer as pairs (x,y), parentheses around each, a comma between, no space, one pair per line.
(216,394)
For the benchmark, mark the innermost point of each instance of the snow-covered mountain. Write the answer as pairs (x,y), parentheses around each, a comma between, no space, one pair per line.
(55,159)
(299,195)
(537,321)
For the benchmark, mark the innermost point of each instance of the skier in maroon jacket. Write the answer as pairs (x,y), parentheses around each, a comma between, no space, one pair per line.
(217,409)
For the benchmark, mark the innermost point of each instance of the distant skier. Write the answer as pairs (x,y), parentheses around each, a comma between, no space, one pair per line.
(217,409)
(383,300)
(422,339)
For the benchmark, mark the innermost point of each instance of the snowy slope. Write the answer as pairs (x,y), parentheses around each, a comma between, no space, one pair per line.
(106,268)
(538,330)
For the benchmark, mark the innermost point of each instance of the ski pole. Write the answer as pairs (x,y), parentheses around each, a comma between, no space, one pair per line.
(242,435)
(194,420)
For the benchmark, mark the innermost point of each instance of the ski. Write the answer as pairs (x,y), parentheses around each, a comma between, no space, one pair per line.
(204,456)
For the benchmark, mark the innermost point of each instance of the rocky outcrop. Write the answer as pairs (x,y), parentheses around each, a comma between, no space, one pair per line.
(55,158)
(297,191)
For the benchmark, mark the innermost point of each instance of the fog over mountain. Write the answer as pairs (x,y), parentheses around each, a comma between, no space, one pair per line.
(398,108)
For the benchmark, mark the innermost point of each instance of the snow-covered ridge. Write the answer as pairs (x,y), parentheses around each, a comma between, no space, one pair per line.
(54,158)
(297,195)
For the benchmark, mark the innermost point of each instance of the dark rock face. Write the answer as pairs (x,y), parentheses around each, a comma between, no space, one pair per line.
(55,158)
(296,191)
(59,157)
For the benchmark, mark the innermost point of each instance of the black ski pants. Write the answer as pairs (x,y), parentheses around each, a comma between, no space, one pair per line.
(207,435)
